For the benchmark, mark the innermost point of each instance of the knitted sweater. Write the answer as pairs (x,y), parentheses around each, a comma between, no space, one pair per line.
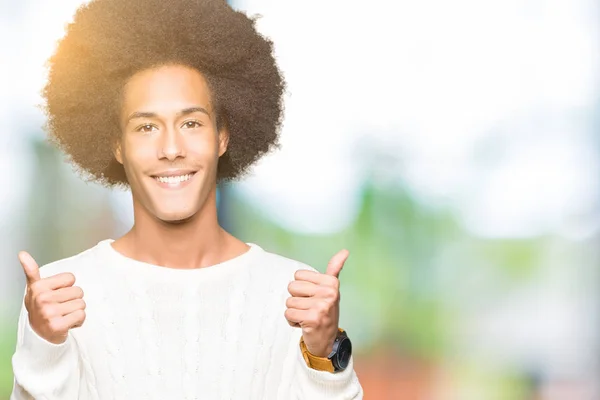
(159,333)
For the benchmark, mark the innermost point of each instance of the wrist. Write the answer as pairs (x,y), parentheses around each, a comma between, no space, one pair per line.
(38,352)
(336,360)
(322,348)
(55,339)
(321,351)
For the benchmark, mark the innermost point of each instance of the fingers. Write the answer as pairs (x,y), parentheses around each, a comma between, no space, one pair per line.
(53,304)
(30,267)
(316,278)
(295,317)
(66,294)
(71,306)
(337,263)
(300,303)
(69,321)
(307,319)
(315,299)
(302,288)
(294,324)
(62,280)
(51,311)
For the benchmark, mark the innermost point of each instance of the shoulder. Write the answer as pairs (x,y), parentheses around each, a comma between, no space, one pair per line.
(276,265)
(79,264)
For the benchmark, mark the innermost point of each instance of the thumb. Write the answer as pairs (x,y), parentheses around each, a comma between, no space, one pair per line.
(30,267)
(337,263)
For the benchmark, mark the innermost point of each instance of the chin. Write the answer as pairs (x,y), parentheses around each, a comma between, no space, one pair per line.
(177,217)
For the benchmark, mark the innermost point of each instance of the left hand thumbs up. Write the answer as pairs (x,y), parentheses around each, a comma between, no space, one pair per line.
(335,265)
(314,305)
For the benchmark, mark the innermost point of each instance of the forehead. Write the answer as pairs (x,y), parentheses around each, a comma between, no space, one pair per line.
(166,89)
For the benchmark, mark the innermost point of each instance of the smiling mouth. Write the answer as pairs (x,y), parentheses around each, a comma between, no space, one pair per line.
(174,179)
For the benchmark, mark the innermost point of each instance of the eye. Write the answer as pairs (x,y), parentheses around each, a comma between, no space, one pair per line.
(192,124)
(145,128)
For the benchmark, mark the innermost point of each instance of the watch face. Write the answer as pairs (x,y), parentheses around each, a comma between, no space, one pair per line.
(344,352)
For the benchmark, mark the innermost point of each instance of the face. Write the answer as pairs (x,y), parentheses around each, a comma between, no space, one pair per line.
(170,145)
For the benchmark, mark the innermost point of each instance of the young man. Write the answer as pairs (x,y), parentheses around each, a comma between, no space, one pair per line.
(168,98)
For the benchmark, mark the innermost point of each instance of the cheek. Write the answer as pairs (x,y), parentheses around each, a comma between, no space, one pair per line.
(137,156)
(206,148)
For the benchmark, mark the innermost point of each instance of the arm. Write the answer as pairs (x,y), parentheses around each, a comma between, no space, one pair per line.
(43,370)
(315,383)
(46,360)
(314,307)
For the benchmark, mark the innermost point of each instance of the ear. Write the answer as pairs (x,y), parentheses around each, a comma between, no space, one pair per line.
(223,140)
(117,152)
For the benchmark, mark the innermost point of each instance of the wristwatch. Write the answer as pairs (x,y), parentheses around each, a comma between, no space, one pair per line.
(336,361)
(341,352)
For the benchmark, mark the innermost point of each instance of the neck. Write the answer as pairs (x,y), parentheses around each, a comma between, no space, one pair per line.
(194,243)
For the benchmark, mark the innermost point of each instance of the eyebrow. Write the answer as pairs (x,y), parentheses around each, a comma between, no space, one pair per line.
(185,111)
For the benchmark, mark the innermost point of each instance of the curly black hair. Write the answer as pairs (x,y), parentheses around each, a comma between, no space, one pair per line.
(110,40)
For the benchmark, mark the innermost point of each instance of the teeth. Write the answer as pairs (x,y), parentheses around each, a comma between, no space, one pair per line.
(173,179)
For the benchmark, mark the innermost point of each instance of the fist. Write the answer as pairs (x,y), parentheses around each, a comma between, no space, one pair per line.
(54,305)
(315,305)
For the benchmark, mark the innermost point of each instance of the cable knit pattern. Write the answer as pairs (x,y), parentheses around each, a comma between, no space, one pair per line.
(107,325)
(158,333)
(190,332)
(144,306)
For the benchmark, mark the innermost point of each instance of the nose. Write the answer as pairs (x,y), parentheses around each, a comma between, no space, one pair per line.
(173,145)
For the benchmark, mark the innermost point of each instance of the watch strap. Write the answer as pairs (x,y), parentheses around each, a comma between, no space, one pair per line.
(314,362)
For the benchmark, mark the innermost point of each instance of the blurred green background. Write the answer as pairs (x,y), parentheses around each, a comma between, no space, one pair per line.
(453,148)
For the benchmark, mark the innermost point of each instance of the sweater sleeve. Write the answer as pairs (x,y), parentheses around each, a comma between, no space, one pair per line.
(314,384)
(43,370)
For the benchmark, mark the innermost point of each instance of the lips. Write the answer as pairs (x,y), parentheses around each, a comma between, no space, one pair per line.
(174,172)
(173,178)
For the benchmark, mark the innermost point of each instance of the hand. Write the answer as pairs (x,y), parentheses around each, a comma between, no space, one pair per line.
(54,304)
(315,305)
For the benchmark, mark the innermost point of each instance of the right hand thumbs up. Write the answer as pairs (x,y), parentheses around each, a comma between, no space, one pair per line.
(54,304)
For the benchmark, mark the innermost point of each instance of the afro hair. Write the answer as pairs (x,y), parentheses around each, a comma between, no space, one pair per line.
(110,40)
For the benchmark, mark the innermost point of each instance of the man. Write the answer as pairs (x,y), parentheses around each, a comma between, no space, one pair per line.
(168,98)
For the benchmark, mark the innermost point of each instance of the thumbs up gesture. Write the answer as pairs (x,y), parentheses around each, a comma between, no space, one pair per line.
(54,304)
(315,305)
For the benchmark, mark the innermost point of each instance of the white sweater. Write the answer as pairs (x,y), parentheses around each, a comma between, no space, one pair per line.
(159,333)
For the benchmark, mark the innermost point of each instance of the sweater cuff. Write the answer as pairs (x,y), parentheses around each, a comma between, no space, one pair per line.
(41,367)
(45,352)
(342,384)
